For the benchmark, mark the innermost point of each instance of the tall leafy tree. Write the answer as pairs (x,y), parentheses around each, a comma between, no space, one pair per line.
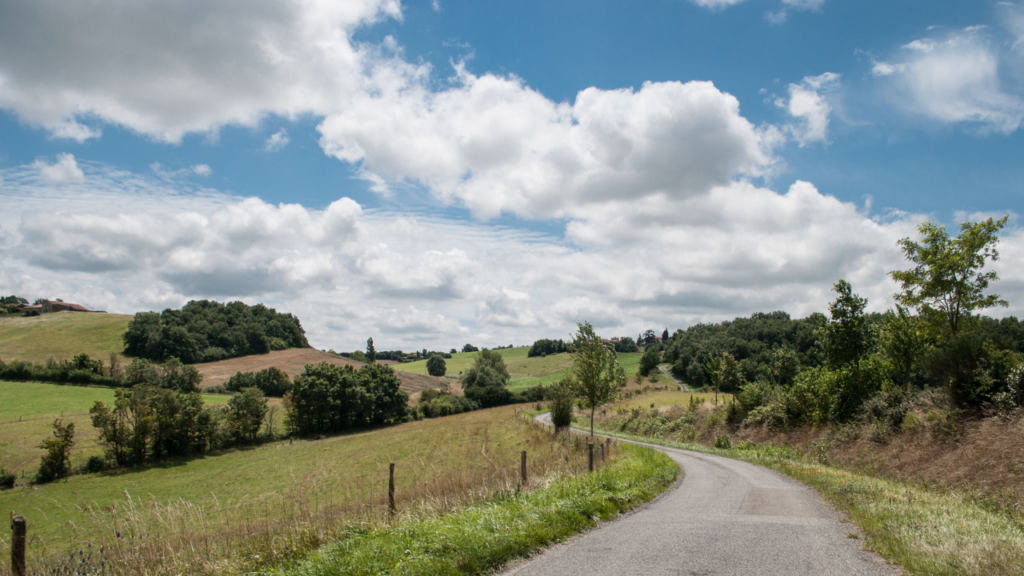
(846,338)
(245,413)
(371,352)
(436,365)
(596,374)
(649,361)
(947,279)
(56,463)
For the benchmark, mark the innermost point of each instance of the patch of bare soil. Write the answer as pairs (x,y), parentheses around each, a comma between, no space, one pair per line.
(292,361)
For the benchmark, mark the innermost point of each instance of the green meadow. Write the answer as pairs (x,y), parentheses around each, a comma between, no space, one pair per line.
(27,412)
(62,335)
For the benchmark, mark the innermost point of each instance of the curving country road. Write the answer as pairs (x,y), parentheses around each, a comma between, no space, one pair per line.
(726,517)
(682,387)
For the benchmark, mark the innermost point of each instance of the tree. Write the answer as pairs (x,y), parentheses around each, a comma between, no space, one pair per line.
(115,426)
(470,348)
(596,374)
(846,338)
(664,336)
(626,345)
(56,463)
(371,353)
(946,280)
(245,413)
(436,365)
(785,365)
(562,402)
(724,372)
(902,342)
(649,361)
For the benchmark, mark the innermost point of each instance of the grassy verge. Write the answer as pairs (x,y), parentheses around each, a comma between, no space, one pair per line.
(482,537)
(928,532)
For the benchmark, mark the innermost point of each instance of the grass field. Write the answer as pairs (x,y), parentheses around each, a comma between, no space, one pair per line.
(61,335)
(27,412)
(445,460)
(292,362)
(525,372)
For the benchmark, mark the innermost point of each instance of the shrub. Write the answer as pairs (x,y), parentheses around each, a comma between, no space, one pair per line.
(773,415)
(214,353)
(436,365)
(723,442)
(6,479)
(95,464)
(562,403)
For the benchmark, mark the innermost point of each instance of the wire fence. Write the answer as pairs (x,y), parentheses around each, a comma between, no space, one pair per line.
(140,534)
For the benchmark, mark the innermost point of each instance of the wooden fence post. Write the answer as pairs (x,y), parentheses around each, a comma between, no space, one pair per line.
(391,490)
(18,545)
(590,455)
(522,468)
(602,452)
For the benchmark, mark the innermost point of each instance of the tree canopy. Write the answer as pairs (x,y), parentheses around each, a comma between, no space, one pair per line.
(947,281)
(596,374)
(204,331)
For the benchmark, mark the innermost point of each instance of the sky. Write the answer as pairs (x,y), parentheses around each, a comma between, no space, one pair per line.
(438,172)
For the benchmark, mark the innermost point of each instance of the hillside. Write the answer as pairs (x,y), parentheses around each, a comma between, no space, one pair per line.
(292,361)
(525,372)
(62,335)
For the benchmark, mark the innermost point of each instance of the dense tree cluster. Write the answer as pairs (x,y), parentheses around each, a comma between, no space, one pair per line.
(9,304)
(626,345)
(272,382)
(147,423)
(329,398)
(206,331)
(851,364)
(83,370)
(752,342)
(545,347)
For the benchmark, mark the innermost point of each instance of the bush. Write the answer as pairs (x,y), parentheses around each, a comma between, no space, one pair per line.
(562,403)
(723,442)
(436,365)
(214,353)
(6,479)
(95,464)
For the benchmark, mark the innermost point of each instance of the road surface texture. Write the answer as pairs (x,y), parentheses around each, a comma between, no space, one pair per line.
(682,387)
(726,517)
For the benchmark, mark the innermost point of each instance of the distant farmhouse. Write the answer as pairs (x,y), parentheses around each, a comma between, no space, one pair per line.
(48,306)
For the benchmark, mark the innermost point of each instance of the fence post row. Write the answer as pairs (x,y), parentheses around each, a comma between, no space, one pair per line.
(391,490)
(18,526)
(590,455)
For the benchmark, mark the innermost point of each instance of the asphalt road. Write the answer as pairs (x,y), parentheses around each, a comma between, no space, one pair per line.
(726,517)
(682,387)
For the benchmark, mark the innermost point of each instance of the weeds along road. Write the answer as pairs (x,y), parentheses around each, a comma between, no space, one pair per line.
(726,517)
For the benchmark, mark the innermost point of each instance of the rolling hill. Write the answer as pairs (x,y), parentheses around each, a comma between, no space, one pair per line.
(62,335)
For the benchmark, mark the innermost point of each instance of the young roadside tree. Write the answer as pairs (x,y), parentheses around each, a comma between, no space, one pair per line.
(436,365)
(56,463)
(597,375)
(725,373)
(846,338)
(946,283)
(371,353)
(115,426)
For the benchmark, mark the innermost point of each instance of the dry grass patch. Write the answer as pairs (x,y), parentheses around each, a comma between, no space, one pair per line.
(214,514)
(292,361)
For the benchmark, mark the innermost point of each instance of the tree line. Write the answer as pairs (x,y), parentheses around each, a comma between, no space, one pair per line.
(207,331)
(849,363)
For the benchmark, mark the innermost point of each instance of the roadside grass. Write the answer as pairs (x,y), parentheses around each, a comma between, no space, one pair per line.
(214,514)
(62,335)
(483,537)
(665,398)
(27,412)
(929,532)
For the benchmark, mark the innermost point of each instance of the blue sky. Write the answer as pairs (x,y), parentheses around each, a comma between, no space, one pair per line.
(510,168)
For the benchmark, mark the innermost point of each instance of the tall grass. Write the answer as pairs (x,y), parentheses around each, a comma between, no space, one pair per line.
(140,534)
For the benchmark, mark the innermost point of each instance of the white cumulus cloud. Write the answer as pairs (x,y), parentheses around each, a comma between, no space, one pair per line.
(65,169)
(277,141)
(808,104)
(953,78)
